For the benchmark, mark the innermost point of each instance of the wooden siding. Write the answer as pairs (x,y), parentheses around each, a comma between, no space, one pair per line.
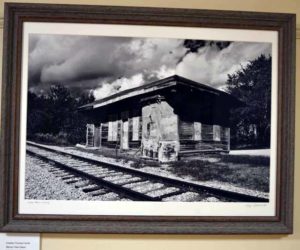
(116,133)
(207,132)
(197,131)
(186,130)
(225,134)
(187,145)
(97,137)
(104,137)
(90,131)
(192,139)
(217,132)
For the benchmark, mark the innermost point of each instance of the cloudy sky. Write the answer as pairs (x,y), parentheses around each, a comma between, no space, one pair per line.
(106,65)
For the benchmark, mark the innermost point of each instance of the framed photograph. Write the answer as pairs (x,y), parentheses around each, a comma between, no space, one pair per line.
(147,120)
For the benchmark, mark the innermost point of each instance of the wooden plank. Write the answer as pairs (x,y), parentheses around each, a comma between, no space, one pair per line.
(186,130)
(134,144)
(197,131)
(217,132)
(104,132)
(135,125)
(97,137)
(207,132)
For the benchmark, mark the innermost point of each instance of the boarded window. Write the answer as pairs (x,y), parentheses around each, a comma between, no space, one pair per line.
(114,131)
(104,131)
(207,132)
(112,128)
(125,135)
(135,128)
(186,130)
(119,124)
(197,131)
(225,134)
(217,132)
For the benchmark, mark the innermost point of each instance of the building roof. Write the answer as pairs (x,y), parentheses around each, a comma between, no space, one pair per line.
(151,87)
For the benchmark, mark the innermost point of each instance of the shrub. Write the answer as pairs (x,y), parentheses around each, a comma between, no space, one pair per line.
(59,139)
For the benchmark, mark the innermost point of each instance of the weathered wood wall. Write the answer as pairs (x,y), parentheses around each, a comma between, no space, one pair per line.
(208,140)
(179,117)
(111,131)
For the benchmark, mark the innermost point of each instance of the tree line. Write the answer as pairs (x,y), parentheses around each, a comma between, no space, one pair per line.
(53,117)
(250,124)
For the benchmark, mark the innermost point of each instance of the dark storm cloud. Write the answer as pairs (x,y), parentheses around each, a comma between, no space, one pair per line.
(91,62)
(193,46)
(107,65)
(67,59)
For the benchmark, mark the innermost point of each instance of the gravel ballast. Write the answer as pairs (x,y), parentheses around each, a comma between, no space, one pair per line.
(164,170)
(40,184)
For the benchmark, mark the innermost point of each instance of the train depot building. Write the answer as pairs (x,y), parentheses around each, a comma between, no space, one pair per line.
(163,120)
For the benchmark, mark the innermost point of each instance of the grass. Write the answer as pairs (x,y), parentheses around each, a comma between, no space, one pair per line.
(134,159)
(240,170)
(246,159)
(49,139)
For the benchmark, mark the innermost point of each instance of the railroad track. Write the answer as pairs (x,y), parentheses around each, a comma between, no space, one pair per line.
(98,179)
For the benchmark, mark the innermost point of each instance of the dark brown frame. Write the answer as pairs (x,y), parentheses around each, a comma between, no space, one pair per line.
(16,14)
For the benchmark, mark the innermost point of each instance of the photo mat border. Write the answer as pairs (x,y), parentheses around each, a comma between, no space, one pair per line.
(144,208)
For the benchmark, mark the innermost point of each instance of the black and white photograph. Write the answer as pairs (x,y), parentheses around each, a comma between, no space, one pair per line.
(138,120)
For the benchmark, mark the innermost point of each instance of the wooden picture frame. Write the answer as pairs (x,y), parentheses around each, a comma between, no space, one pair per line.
(13,221)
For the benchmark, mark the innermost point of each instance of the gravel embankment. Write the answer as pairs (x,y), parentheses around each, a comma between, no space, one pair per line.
(40,184)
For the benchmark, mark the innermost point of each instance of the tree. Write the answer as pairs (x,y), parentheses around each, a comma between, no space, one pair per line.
(250,124)
(54,115)
(39,119)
